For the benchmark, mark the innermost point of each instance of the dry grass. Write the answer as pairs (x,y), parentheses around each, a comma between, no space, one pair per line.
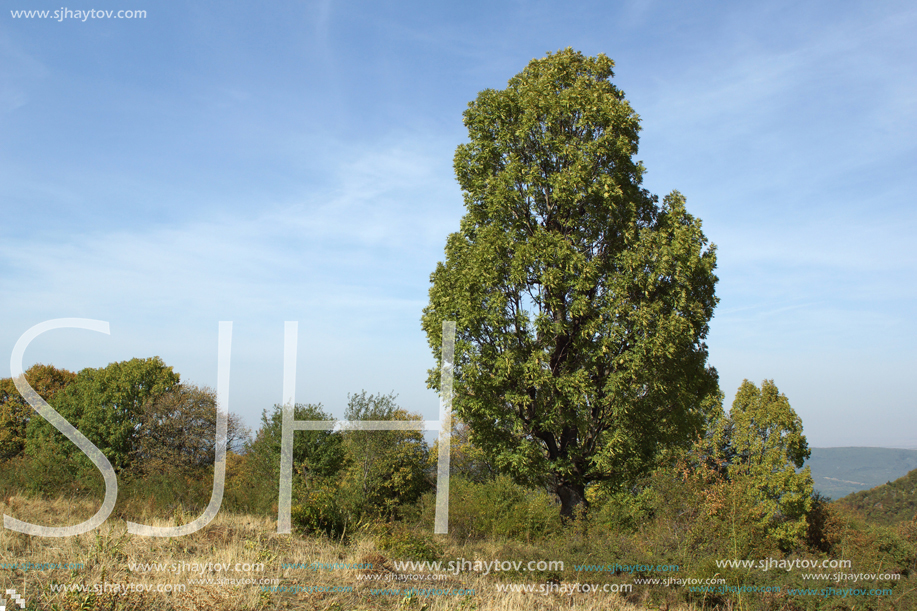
(107,553)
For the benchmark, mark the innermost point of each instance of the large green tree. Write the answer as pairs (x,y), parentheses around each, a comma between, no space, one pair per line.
(107,406)
(581,303)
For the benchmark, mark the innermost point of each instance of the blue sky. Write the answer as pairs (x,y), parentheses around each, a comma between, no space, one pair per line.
(293,161)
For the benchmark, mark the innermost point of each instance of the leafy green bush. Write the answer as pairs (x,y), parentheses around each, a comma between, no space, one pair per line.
(401,542)
(384,470)
(319,511)
(501,509)
(625,510)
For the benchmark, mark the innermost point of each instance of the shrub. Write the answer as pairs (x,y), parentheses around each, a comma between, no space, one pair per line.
(399,541)
(501,509)
(625,510)
(319,514)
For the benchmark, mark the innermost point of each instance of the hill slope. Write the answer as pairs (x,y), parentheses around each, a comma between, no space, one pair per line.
(838,472)
(887,504)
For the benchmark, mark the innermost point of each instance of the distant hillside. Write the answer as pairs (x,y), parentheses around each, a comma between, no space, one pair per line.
(838,472)
(887,504)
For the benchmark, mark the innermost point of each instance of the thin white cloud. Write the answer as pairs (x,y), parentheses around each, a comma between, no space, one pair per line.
(376,223)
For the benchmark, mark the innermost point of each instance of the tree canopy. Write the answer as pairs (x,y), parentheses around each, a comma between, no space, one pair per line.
(15,412)
(762,444)
(178,431)
(581,303)
(107,406)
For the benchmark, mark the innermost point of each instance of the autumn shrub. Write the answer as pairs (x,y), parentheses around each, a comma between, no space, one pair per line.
(15,412)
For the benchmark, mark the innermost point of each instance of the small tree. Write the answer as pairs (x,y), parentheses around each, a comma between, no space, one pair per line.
(15,412)
(581,304)
(385,469)
(762,444)
(317,453)
(178,431)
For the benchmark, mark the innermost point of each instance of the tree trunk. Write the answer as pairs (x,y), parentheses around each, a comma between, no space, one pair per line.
(571,497)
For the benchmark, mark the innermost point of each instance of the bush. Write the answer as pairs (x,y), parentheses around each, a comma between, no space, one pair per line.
(401,542)
(500,509)
(625,511)
(319,512)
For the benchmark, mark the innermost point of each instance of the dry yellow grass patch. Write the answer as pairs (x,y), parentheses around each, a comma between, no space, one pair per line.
(106,557)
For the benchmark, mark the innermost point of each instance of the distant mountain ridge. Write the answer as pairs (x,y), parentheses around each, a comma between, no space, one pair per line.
(838,472)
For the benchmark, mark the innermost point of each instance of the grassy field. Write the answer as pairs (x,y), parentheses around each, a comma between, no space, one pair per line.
(109,558)
(240,563)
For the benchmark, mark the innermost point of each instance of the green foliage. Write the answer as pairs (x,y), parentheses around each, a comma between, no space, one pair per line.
(159,434)
(347,479)
(319,510)
(889,504)
(106,405)
(870,547)
(15,412)
(403,542)
(316,454)
(581,304)
(695,510)
(817,524)
(385,469)
(320,453)
(762,442)
(625,510)
(500,509)
(50,474)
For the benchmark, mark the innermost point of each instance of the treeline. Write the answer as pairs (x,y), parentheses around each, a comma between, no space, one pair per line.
(159,435)
(157,432)
(734,494)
